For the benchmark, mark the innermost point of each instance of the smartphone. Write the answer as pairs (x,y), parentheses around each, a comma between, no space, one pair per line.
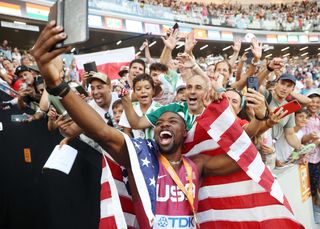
(249,57)
(253,82)
(90,67)
(81,90)
(54,100)
(175,26)
(19,118)
(291,107)
(72,15)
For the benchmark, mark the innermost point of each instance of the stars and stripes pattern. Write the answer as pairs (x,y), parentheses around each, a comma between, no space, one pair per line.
(250,198)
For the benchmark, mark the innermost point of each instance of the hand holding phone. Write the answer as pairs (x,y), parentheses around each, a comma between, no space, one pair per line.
(82,91)
(20,118)
(290,107)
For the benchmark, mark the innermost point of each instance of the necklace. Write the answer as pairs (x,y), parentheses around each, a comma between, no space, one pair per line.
(176,162)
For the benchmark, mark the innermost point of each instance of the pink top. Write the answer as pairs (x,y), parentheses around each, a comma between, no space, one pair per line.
(172,207)
(313,125)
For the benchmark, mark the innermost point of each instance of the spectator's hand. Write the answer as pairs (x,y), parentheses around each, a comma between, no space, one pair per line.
(313,136)
(304,159)
(52,114)
(256,101)
(265,149)
(276,63)
(244,57)
(172,40)
(256,49)
(25,92)
(236,45)
(145,43)
(275,117)
(64,125)
(186,60)
(190,43)
(213,94)
(64,141)
(50,65)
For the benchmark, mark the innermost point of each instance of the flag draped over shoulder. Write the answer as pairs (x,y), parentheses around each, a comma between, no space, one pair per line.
(250,198)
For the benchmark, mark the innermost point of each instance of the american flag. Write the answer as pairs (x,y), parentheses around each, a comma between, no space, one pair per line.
(250,198)
(145,166)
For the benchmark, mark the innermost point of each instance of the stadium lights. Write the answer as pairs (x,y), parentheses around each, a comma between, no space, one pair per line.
(288,54)
(226,48)
(211,55)
(179,46)
(307,58)
(203,47)
(119,42)
(19,22)
(267,49)
(268,55)
(318,54)
(284,49)
(318,48)
(138,53)
(73,49)
(306,53)
(304,48)
(230,56)
(152,44)
(247,49)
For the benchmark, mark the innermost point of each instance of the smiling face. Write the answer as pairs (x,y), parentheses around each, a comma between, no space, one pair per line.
(314,105)
(196,89)
(144,92)
(101,93)
(135,69)
(283,88)
(301,119)
(170,132)
(27,77)
(234,100)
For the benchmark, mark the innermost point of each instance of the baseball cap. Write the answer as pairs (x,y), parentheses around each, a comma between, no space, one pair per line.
(100,76)
(20,69)
(287,76)
(180,86)
(313,92)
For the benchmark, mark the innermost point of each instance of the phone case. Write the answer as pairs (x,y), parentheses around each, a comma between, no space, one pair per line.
(291,107)
(253,82)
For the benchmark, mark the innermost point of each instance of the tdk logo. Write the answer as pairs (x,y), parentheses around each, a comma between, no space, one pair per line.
(176,222)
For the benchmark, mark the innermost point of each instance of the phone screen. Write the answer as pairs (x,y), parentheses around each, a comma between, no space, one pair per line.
(19,118)
(81,90)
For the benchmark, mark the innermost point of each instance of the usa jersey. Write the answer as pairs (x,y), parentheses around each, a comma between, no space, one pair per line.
(172,206)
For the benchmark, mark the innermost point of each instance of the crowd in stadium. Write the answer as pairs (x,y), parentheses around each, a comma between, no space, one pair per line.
(149,87)
(298,16)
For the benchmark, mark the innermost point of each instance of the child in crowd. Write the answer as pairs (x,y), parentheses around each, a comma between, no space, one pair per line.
(117,109)
(143,87)
(284,150)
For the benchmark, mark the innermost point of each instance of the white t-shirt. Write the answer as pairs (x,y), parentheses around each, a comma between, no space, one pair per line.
(146,133)
(283,149)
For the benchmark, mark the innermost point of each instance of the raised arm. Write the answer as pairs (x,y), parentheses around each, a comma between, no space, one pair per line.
(236,49)
(169,45)
(50,65)
(135,121)
(147,53)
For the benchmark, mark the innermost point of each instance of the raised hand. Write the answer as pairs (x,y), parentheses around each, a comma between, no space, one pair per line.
(236,45)
(256,101)
(276,63)
(189,43)
(171,41)
(256,49)
(49,65)
(186,60)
